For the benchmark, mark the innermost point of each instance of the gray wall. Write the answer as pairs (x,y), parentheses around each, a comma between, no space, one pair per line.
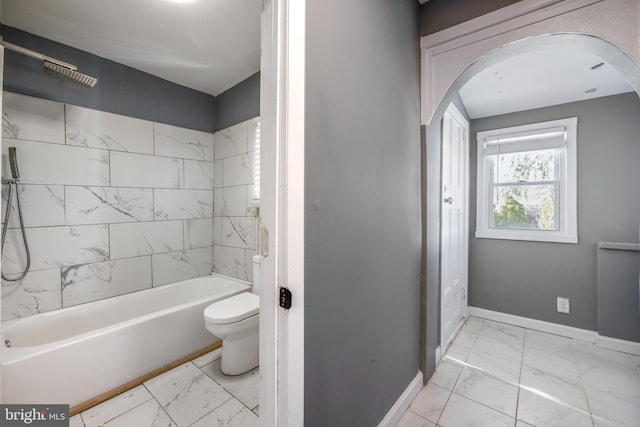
(239,103)
(362,211)
(437,15)
(120,89)
(524,278)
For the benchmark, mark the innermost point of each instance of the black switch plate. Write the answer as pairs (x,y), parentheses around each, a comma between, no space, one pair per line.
(285,298)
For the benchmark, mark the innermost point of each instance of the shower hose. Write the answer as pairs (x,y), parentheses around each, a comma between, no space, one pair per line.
(11,183)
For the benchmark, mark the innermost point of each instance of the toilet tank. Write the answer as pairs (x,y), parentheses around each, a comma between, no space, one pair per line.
(256,259)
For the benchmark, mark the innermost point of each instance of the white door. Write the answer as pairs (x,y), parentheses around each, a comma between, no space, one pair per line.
(455,236)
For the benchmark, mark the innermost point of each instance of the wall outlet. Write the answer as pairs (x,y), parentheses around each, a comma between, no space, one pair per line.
(563,305)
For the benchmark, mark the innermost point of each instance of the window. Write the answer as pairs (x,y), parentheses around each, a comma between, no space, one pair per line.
(527,182)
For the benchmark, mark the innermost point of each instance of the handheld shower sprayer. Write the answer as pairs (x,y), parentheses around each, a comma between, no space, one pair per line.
(13,164)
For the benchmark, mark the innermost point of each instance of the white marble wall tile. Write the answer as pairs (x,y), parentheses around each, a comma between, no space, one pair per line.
(239,232)
(44,163)
(33,119)
(56,247)
(144,238)
(42,205)
(231,141)
(185,143)
(140,170)
(230,201)
(182,204)
(230,262)
(238,170)
(181,265)
(249,263)
(217,174)
(91,282)
(198,175)
(100,205)
(217,230)
(37,292)
(198,233)
(232,413)
(99,129)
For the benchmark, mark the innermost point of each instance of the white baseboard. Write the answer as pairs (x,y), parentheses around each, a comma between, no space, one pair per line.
(557,329)
(618,345)
(402,404)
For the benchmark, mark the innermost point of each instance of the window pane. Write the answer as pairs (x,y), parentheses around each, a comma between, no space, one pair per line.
(529,166)
(525,207)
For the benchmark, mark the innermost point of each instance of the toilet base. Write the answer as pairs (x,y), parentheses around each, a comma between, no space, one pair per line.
(239,355)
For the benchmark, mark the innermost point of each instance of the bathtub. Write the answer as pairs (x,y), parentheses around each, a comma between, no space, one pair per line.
(73,354)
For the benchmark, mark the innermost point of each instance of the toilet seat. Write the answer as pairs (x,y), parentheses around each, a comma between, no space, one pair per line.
(233,309)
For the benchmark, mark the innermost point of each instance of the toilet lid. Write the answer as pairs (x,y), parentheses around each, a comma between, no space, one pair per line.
(233,309)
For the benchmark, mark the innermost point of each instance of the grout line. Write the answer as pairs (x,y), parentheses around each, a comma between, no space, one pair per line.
(520,376)
(584,387)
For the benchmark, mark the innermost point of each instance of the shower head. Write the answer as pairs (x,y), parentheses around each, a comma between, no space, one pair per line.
(54,65)
(13,163)
(70,73)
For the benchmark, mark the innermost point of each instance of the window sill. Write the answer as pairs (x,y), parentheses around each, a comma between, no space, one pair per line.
(537,236)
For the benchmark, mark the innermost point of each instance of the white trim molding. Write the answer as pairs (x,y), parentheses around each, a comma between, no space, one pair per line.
(402,404)
(446,54)
(282,212)
(557,329)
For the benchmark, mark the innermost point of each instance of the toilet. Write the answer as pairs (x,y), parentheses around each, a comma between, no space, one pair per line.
(235,321)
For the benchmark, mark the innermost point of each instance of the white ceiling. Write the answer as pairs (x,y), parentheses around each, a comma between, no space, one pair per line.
(539,79)
(207,45)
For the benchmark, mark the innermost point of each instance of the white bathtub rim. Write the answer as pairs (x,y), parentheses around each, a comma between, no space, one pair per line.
(11,355)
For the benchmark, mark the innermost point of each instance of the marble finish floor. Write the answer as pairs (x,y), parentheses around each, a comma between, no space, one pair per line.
(194,394)
(494,374)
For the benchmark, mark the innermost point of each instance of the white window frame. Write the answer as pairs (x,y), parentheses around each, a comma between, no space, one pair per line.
(566,200)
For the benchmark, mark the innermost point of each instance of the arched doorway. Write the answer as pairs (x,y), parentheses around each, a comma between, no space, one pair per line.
(484,51)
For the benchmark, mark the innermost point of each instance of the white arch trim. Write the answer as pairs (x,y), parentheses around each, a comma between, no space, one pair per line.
(451,57)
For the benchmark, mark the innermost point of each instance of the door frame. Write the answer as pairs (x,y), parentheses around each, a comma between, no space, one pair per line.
(282,212)
(452,56)
(457,115)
